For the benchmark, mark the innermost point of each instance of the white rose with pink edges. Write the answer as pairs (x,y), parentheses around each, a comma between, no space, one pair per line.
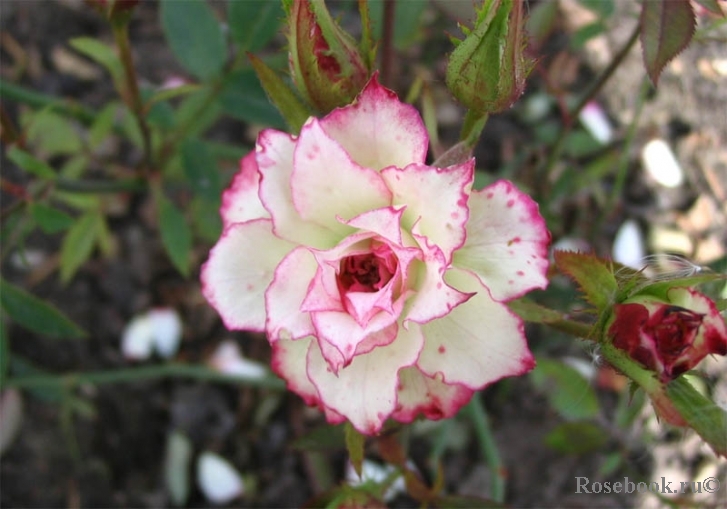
(380,281)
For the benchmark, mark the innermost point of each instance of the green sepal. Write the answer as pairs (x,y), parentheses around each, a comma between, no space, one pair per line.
(355,445)
(593,275)
(281,95)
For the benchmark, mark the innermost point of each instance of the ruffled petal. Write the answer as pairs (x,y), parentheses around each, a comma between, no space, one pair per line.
(436,201)
(239,270)
(434,297)
(477,343)
(378,130)
(289,363)
(385,222)
(240,202)
(507,241)
(284,297)
(365,391)
(422,394)
(275,160)
(327,186)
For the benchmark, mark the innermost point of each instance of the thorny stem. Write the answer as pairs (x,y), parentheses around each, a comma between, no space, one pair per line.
(595,87)
(135,102)
(489,448)
(139,374)
(387,43)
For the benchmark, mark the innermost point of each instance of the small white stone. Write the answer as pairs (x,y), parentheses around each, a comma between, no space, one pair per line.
(217,478)
(661,164)
(137,340)
(628,246)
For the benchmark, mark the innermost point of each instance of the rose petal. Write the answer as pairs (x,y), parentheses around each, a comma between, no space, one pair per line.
(434,297)
(507,241)
(275,160)
(385,222)
(166,330)
(365,391)
(378,130)
(284,297)
(476,344)
(239,270)
(328,186)
(228,359)
(218,479)
(240,202)
(137,340)
(288,361)
(340,330)
(435,200)
(422,394)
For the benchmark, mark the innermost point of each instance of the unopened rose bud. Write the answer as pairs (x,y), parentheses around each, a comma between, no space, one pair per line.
(669,336)
(487,70)
(325,61)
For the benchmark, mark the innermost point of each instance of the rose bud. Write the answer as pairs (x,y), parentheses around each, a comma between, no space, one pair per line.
(326,63)
(669,336)
(487,70)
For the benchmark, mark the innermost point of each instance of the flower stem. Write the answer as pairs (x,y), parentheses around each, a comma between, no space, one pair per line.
(141,373)
(133,96)
(472,127)
(387,43)
(481,423)
(595,87)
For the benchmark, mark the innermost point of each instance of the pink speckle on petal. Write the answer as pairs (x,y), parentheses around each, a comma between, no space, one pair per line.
(441,349)
(510,203)
(490,195)
(520,273)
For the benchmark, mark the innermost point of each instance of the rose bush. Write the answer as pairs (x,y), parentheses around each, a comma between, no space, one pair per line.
(380,281)
(669,336)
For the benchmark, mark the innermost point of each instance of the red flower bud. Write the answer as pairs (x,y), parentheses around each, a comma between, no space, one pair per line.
(669,336)
(326,63)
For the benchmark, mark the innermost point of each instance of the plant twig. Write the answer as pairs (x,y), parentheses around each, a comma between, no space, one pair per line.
(139,374)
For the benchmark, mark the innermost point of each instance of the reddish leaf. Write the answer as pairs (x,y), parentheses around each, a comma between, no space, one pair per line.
(666,29)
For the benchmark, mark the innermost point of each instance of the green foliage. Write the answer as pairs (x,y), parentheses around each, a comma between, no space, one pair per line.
(355,445)
(50,219)
(79,242)
(666,29)
(35,314)
(175,233)
(253,23)
(242,97)
(195,36)
(576,438)
(201,171)
(568,392)
(102,54)
(593,275)
(31,164)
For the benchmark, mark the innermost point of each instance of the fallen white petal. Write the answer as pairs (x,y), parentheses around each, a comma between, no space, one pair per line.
(376,474)
(137,339)
(661,164)
(166,329)
(228,359)
(628,246)
(596,122)
(217,478)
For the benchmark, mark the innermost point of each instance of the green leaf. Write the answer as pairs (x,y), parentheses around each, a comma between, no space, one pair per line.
(667,28)
(244,98)
(592,274)
(281,95)
(195,36)
(253,23)
(206,218)
(576,438)
(35,314)
(30,164)
(196,114)
(50,220)
(78,243)
(176,236)
(51,134)
(170,93)
(102,125)
(704,416)
(604,8)
(102,54)
(568,392)
(407,27)
(200,168)
(355,446)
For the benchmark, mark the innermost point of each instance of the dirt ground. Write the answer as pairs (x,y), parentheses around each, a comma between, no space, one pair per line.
(111,451)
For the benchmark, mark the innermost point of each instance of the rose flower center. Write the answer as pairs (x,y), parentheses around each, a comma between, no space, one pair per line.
(367,272)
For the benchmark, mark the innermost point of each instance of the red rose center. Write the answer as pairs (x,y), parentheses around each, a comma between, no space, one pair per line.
(367,272)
